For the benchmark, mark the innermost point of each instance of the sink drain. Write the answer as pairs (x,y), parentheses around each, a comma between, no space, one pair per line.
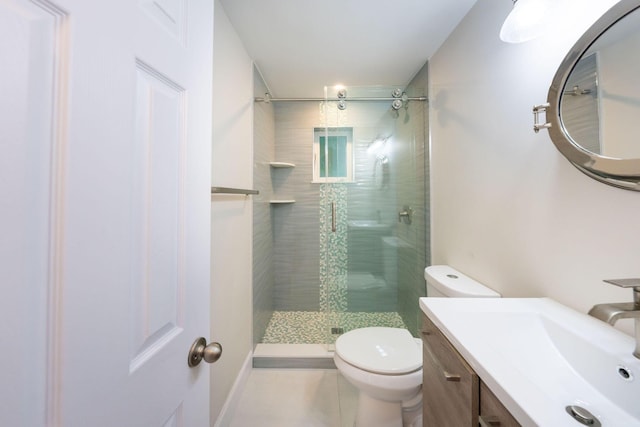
(625,373)
(583,416)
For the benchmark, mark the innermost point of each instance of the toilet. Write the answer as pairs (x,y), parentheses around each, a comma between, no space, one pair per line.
(385,364)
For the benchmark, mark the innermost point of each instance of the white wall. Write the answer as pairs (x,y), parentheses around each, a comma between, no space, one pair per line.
(231,216)
(507,208)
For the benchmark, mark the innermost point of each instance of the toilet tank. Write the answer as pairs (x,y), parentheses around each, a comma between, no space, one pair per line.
(444,281)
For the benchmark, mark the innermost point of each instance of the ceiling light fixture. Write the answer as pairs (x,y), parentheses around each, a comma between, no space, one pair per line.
(526,21)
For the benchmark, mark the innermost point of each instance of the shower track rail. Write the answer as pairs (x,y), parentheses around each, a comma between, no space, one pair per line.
(268,99)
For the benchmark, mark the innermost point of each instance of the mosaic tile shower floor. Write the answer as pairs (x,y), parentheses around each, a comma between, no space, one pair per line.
(313,327)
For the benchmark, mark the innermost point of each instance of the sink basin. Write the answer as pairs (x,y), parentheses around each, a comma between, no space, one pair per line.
(367,224)
(538,357)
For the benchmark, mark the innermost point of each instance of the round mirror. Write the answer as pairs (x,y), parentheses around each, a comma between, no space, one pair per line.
(594,99)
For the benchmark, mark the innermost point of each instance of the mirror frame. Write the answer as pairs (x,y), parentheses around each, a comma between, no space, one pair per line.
(622,173)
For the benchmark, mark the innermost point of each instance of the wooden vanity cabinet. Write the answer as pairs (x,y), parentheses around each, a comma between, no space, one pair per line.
(492,412)
(453,394)
(450,387)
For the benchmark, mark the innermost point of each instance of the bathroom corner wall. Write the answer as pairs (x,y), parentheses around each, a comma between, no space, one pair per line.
(508,209)
(231,215)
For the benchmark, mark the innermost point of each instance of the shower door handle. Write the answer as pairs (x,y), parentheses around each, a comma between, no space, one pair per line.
(333,217)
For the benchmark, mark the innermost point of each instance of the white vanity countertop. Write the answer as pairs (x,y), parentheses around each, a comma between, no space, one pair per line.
(538,356)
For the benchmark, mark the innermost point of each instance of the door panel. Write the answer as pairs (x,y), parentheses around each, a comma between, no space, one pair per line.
(30,145)
(105,202)
(159,178)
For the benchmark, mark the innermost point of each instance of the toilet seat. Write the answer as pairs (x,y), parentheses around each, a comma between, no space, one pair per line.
(388,351)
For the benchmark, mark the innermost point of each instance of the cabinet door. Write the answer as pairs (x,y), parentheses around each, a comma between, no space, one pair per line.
(492,411)
(450,386)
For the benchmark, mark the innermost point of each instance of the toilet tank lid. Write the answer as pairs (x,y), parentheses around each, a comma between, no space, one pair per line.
(453,283)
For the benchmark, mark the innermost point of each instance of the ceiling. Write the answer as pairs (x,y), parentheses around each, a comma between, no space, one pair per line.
(300,46)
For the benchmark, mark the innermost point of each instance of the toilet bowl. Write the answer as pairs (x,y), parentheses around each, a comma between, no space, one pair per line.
(385,364)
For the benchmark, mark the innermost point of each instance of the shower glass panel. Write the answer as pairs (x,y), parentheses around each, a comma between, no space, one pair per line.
(372,257)
(334,251)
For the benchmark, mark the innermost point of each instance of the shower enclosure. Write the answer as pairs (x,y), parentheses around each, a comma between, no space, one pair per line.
(341,222)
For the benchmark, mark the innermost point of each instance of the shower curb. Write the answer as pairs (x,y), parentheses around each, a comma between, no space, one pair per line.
(293,362)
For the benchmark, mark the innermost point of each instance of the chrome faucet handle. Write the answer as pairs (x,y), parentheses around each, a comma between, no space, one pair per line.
(628,283)
(625,283)
(612,312)
(406,213)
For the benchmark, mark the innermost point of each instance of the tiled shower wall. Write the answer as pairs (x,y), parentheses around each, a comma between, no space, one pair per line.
(297,245)
(287,246)
(296,260)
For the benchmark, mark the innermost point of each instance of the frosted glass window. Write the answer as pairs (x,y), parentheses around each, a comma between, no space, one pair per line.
(333,157)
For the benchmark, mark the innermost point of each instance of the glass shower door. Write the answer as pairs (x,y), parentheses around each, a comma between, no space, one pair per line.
(333,165)
(373,227)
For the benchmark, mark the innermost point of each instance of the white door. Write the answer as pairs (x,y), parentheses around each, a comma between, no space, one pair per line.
(105,136)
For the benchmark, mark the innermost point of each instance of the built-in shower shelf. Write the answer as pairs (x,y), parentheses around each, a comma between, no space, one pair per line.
(282,165)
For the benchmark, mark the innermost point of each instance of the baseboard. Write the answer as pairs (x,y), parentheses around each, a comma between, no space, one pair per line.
(230,405)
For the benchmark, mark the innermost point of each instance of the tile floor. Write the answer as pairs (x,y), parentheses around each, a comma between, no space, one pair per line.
(296,398)
(309,327)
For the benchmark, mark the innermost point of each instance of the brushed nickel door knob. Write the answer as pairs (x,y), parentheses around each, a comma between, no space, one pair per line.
(201,351)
